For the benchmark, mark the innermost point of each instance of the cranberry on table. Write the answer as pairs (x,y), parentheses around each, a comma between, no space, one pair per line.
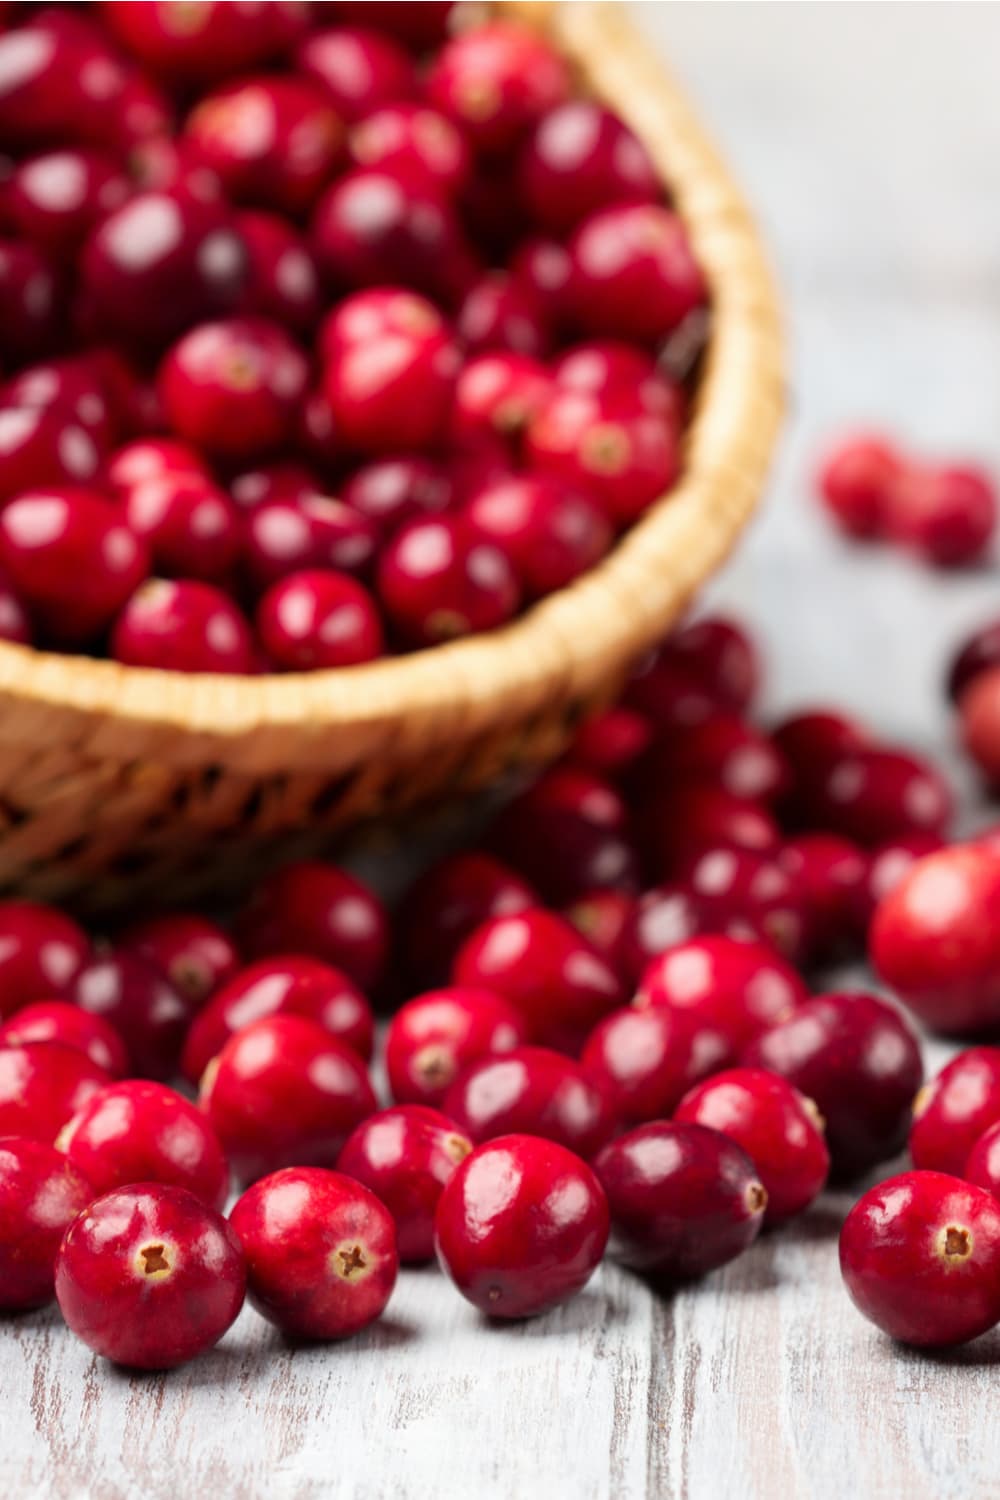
(502,313)
(604,917)
(193,953)
(360,68)
(662,917)
(644,1061)
(684,1200)
(980,724)
(437,579)
(319,911)
(724,750)
(149,1014)
(856,481)
(678,824)
(313,620)
(550,532)
(320,1249)
(41,1194)
(873,794)
(42,1085)
(139,1131)
(977,653)
(405,1155)
(951,1112)
(946,515)
(830,874)
(580,158)
(532,1091)
(750,895)
(920,1257)
(58,1021)
(149,1276)
(388,492)
(568,833)
(41,952)
(819,734)
(192,527)
(635,274)
(434,1037)
(448,901)
(496,81)
(983,1164)
(180,625)
(497,395)
(719,654)
(885,867)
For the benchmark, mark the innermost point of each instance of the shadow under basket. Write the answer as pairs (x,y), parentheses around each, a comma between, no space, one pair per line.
(120,786)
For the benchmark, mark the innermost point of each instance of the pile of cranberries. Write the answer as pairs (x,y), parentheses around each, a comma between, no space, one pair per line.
(324,330)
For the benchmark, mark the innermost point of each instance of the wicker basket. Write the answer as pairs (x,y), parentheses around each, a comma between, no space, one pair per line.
(119,785)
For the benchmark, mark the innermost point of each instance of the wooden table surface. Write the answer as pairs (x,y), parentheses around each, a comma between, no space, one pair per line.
(869,138)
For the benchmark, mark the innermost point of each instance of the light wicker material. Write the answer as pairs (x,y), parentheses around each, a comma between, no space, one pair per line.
(118,785)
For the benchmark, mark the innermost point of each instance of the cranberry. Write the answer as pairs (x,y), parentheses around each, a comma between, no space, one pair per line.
(724,750)
(679,824)
(434,1037)
(886,866)
(546,268)
(360,69)
(75,386)
(58,1021)
(817,735)
(58,81)
(684,1200)
(316,910)
(872,795)
(313,620)
(635,274)
(603,917)
(550,532)
(750,895)
(983,1164)
(856,481)
(138,1131)
(951,1111)
(283,284)
(496,398)
(644,1061)
(149,1276)
(321,1252)
(779,1129)
(978,653)
(448,902)
(418,26)
(568,833)
(30,301)
(181,626)
(41,952)
(283,537)
(273,142)
(661,918)
(612,742)
(980,718)
(152,458)
(414,142)
(581,158)
(190,951)
(191,527)
(947,515)
(920,1257)
(503,313)
(521,1226)
(668,696)
(391,491)
(280,986)
(532,1091)
(169,163)
(496,81)
(273,483)
(42,1085)
(41,1194)
(437,579)
(405,1155)
(829,875)
(147,1012)
(14,623)
(210,41)
(720,655)
(54,199)
(161,262)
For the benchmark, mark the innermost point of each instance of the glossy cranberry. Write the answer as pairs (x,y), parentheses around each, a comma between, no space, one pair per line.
(496,398)
(604,367)
(181,626)
(58,1021)
(679,824)
(604,917)
(873,795)
(55,198)
(669,697)
(581,158)
(532,1091)
(316,910)
(286,986)
(391,491)
(496,81)
(76,386)
(416,143)
(149,1276)
(568,833)
(951,1111)
(286,537)
(750,895)
(283,1091)
(211,40)
(270,483)
(146,458)
(41,1194)
(158,264)
(612,742)
(550,532)
(545,266)
(983,1164)
(886,866)
(920,1257)
(59,82)
(437,579)
(30,301)
(725,750)
(946,515)
(644,1061)
(626,456)
(447,902)
(634,272)
(684,1200)
(829,875)
(503,313)
(780,1130)
(559,984)
(149,1015)
(720,655)
(313,620)
(41,952)
(283,283)
(321,1252)
(980,724)
(191,527)
(360,68)
(193,953)
(139,1131)
(856,481)
(434,1037)
(42,446)
(42,1085)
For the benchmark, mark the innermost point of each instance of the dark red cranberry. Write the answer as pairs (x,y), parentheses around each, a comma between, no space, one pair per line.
(820,734)
(313,620)
(321,1252)
(581,158)
(148,458)
(471,469)
(669,696)
(360,68)
(725,750)
(58,1021)
(149,1276)
(750,895)
(532,1091)
(139,1131)
(391,491)
(980,724)
(550,532)
(983,1164)
(447,902)
(274,482)
(935,941)
(951,1111)
(414,142)
(721,656)
(283,282)
(872,795)
(283,1091)
(77,387)
(191,527)
(920,1257)
(780,1130)
(316,910)
(503,313)
(54,199)
(886,866)
(856,481)
(978,653)
(859,1062)
(540,963)
(193,953)
(180,626)
(679,824)
(612,742)
(496,81)
(41,952)
(684,1200)
(149,1015)
(14,623)
(635,276)
(211,41)
(545,267)
(437,579)
(41,1194)
(644,1061)
(946,515)
(829,876)
(496,398)
(434,1037)
(42,1085)
(30,302)
(417,26)
(567,834)
(603,917)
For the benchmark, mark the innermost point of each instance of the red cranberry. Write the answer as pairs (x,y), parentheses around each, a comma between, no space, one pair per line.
(579,159)
(980,724)
(644,1061)
(635,274)
(684,1200)
(434,1037)
(179,626)
(920,1257)
(978,653)
(532,1091)
(417,26)
(42,1085)
(448,902)
(54,199)
(41,1194)
(391,491)
(983,1164)
(551,533)
(872,795)
(272,483)
(414,142)
(720,655)
(546,268)
(149,1276)
(58,81)
(817,735)
(170,163)
(191,527)
(30,302)
(286,986)
(604,917)
(147,1012)
(405,1155)
(360,69)
(273,142)
(14,623)
(41,952)
(283,283)
(662,917)
(668,696)
(779,1129)
(283,1091)
(190,951)
(947,515)
(316,910)
(496,80)
(138,1131)
(951,1111)
(856,481)
(283,537)
(58,1021)
(496,398)
(829,875)
(935,941)
(77,387)
(750,895)
(612,742)
(724,750)
(536,960)
(605,367)
(437,579)
(314,620)
(886,866)
(680,824)
(152,458)
(503,313)
(208,42)
(321,1252)
(568,833)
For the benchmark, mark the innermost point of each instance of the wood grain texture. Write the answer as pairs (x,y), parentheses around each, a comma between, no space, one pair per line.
(876,184)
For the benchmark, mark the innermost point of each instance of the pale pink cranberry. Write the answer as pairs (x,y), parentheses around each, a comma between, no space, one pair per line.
(447,902)
(292,536)
(54,199)
(856,481)
(192,527)
(635,275)
(313,620)
(581,158)
(496,81)
(388,492)
(501,311)
(360,68)
(178,625)
(412,141)
(283,283)
(497,396)
(30,302)
(59,1021)
(550,533)
(193,953)
(316,909)
(946,515)
(437,580)
(212,40)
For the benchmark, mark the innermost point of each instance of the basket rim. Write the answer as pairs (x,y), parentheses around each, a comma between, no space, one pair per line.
(568,645)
